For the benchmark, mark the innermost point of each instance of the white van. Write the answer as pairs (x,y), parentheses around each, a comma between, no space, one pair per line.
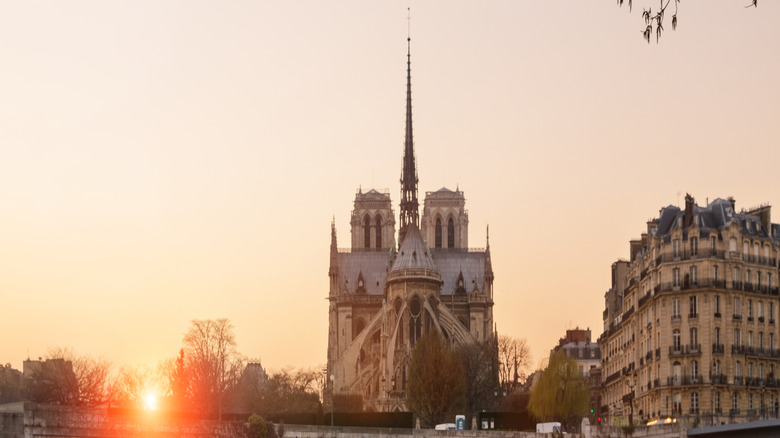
(445,426)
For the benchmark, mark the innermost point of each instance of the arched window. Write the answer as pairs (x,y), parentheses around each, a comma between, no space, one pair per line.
(366,232)
(450,234)
(438,233)
(378,231)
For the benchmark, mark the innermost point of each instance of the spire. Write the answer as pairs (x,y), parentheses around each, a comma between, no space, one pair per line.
(409,205)
(333,271)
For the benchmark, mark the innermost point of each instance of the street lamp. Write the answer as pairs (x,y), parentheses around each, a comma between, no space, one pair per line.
(332,397)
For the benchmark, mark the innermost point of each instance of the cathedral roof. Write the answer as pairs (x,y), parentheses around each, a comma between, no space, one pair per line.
(453,264)
(414,253)
(371,264)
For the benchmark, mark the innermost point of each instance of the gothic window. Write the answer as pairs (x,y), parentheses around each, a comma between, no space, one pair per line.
(438,233)
(450,234)
(366,232)
(378,231)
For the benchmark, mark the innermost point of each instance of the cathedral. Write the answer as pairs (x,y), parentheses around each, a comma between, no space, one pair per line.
(386,293)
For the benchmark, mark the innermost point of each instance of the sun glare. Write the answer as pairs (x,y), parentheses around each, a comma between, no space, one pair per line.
(150,401)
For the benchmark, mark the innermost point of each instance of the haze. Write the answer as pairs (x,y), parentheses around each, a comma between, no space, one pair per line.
(167,161)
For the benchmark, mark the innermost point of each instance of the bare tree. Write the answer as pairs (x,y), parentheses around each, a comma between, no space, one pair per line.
(213,362)
(514,361)
(69,379)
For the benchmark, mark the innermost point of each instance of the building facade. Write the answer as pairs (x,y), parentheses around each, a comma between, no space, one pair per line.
(690,323)
(386,293)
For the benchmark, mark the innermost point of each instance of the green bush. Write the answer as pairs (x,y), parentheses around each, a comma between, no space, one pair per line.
(257,426)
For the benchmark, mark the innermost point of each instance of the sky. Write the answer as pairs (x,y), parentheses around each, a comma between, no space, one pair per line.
(168,161)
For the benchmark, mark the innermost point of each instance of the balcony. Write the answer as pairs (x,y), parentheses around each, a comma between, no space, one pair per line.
(738,349)
(676,318)
(717,314)
(675,351)
(754,381)
(750,319)
(761,319)
(718,349)
(737,317)
(693,316)
(649,356)
(684,380)
(658,353)
(719,379)
(692,349)
(738,380)
(771,321)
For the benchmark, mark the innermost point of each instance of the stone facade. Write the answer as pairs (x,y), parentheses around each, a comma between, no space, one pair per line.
(690,323)
(386,293)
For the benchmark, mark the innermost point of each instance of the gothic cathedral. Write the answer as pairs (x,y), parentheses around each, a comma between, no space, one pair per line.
(385,295)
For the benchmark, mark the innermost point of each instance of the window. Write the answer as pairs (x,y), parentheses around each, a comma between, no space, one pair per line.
(750,370)
(771,341)
(733,245)
(761,340)
(717,402)
(769,280)
(694,369)
(737,337)
(378,231)
(737,277)
(694,402)
(758,279)
(717,305)
(737,307)
(716,273)
(676,277)
(676,308)
(745,248)
(717,335)
(737,369)
(366,232)
(677,402)
(713,243)
(761,374)
(694,246)
(437,236)
(750,338)
(676,340)
(450,234)
(750,308)
(716,368)
(694,337)
(734,402)
(676,248)
(694,276)
(760,309)
(750,401)
(755,251)
(694,308)
(771,311)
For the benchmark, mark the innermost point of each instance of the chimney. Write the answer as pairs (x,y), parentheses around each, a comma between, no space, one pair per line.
(733,203)
(688,210)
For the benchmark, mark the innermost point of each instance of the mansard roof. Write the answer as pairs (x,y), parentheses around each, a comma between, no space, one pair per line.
(717,215)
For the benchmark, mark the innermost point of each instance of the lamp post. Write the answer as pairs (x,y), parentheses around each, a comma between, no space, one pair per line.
(332,398)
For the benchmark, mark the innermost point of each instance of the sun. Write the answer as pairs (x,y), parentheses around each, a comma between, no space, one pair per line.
(150,401)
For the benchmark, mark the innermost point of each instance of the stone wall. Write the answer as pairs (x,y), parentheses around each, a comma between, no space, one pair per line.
(76,422)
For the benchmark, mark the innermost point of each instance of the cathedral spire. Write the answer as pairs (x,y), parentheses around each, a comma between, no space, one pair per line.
(409,205)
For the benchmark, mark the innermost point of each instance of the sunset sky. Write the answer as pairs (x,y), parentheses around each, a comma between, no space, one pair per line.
(162,161)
